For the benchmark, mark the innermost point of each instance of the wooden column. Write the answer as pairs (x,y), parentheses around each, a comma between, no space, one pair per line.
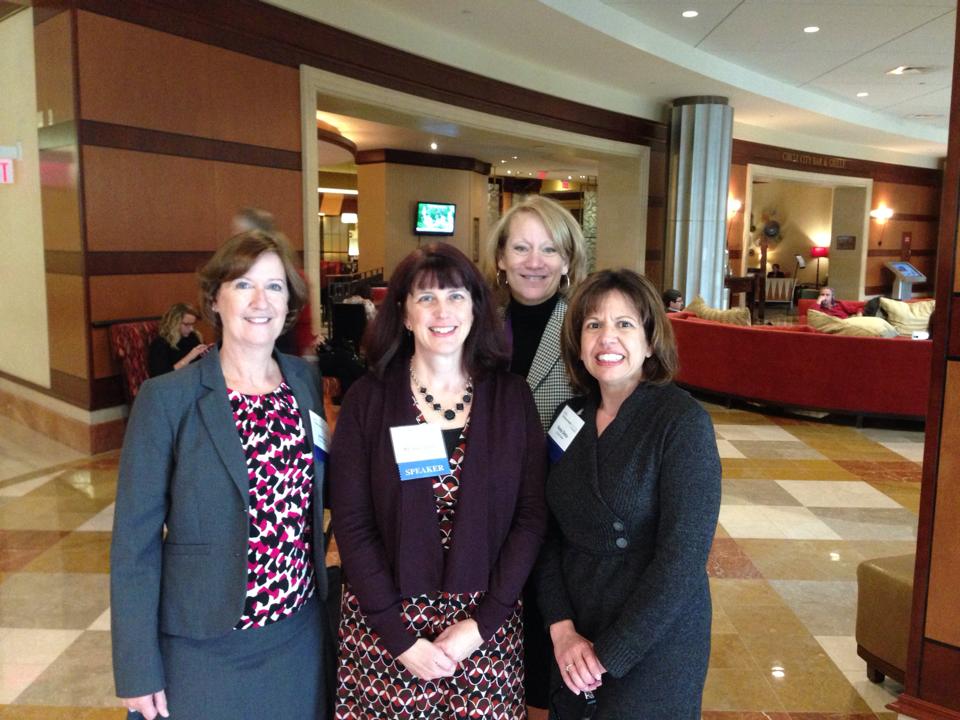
(933,664)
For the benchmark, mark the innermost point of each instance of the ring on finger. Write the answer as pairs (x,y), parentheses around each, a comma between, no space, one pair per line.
(567,667)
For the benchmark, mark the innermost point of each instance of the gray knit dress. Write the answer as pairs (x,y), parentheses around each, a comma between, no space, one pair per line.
(633,515)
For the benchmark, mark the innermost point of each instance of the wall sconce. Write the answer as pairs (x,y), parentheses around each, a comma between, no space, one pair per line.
(819,251)
(881,214)
(733,206)
(348,218)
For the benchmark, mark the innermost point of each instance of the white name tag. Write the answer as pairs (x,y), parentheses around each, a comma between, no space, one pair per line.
(419,451)
(321,436)
(562,432)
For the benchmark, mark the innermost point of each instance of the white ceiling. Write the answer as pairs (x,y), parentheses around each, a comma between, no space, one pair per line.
(634,56)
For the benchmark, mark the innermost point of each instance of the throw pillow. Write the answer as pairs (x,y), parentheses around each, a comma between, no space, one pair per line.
(733,316)
(908,317)
(854,326)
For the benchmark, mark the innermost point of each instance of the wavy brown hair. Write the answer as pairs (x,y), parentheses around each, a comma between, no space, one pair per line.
(437,265)
(236,256)
(660,367)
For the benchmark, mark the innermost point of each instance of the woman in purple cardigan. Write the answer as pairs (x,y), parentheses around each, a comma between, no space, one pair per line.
(436,478)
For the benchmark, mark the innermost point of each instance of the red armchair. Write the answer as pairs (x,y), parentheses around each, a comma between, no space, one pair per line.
(129,342)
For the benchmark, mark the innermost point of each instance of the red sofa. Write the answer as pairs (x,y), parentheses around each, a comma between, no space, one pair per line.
(795,366)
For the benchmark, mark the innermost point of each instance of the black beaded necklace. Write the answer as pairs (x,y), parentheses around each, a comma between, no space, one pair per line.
(448,414)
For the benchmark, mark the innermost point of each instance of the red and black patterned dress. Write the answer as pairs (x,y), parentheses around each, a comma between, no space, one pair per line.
(488,684)
(280,573)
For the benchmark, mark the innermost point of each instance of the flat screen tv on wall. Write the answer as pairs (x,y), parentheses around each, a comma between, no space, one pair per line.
(435,218)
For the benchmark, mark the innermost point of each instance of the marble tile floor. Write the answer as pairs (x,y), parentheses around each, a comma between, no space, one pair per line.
(803,503)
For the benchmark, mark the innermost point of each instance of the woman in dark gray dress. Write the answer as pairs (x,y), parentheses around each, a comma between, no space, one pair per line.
(634,496)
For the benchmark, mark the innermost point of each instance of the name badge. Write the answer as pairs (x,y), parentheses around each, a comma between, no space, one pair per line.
(562,433)
(321,436)
(419,451)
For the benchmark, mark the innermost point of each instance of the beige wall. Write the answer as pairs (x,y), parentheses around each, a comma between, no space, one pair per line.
(804,212)
(25,352)
(388,194)
(847,266)
(622,213)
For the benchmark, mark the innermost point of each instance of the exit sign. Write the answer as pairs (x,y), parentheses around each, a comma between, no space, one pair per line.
(6,171)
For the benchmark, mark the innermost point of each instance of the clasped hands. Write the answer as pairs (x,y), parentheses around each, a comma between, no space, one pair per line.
(431,660)
(580,668)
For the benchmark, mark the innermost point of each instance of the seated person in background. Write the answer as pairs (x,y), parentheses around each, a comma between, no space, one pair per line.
(673,300)
(829,305)
(178,343)
(363,296)
(775,272)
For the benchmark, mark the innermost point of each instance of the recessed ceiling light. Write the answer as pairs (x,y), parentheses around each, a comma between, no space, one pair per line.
(689,13)
(811,29)
(907,70)
(502,162)
(433,146)
(863,94)
(514,157)
(509,172)
(569,177)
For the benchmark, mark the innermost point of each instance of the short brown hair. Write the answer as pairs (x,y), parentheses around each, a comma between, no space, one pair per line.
(562,227)
(484,350)
(236,256)
(660,367)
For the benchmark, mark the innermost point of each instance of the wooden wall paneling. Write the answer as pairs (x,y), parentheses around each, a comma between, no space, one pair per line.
(165,203)
(53,55)
(60,199)
(132,75)
(257,29)
(67,325)
(279,191)
(119,297)
(943,611)
(104,364)
(179,204)
(908,199)
(935,448)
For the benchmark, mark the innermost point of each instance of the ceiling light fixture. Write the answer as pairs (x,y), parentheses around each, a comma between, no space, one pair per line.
(338,191)
(908,70)
(689,13)
(810,29)
(433,146)
(863,94)
(503,162)
(515,157)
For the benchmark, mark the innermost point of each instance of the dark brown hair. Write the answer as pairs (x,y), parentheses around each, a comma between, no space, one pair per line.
(437,265)
(236,256)
(660,367)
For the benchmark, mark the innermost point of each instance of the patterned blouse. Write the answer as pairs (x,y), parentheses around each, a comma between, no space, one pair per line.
(280,573)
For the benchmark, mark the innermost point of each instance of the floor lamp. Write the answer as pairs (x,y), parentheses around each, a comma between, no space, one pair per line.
(819,251)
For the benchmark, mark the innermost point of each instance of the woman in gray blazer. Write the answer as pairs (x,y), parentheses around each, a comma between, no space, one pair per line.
(217,561)
(539,253)
(634,496)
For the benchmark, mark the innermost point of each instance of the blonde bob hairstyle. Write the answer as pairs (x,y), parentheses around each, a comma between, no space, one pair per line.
(236,256)
(169,326)
(660,367)
(560,225)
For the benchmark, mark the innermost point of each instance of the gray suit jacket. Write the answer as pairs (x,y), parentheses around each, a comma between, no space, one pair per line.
(547,377)
(183,468)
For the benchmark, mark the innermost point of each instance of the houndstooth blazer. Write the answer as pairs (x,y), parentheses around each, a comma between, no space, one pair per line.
(547,377)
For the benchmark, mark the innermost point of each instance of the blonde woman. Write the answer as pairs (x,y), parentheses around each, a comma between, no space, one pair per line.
(178,343)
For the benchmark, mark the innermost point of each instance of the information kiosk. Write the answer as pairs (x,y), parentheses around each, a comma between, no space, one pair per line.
(904,277)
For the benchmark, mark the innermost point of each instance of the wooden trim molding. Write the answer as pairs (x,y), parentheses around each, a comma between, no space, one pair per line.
(653,255)
(745,153)
(913,217)
(914,707)
(63,262)
(953,340)
(895,252)
(123,137)
(270,33)
(411,157)
(885,289)
(143,263)
(328,136)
